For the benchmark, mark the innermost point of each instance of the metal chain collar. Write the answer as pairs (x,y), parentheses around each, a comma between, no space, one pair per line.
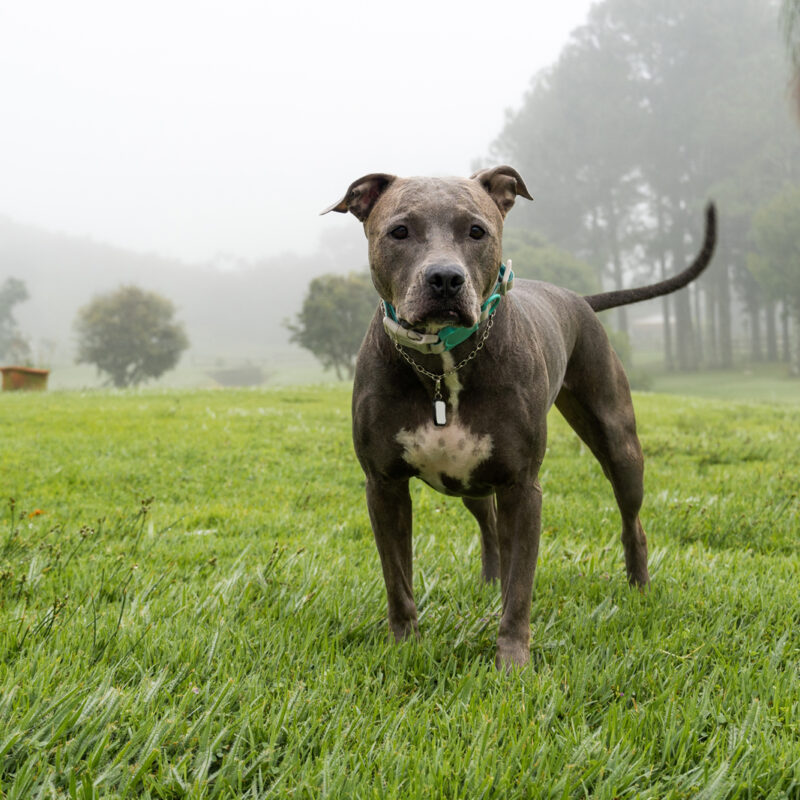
(437,378)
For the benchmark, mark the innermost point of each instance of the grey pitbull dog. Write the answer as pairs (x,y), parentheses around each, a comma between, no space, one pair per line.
(454,381)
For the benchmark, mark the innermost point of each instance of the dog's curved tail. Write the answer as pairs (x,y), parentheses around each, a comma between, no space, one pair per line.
(623,297)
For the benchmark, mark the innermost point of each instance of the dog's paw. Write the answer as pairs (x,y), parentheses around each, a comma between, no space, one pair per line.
(511,654)
(407,629)
(639,580)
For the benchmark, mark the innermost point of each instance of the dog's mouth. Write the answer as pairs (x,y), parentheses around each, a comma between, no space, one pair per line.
(420,309)
(431,316)
(438,319)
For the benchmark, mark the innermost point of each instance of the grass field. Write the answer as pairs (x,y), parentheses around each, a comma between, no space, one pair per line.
(770,383)
(191,606)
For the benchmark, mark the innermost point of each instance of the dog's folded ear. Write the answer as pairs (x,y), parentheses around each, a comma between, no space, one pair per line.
(503,185)
(362,195)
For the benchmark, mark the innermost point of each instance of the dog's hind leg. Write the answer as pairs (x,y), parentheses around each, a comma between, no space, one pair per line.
(597,404)
(484,509)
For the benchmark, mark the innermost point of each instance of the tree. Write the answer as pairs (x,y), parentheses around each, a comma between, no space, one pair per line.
(335,315)
(12,291)
(573,139)
(534,257)
(775,262)
(790,23)
(653,107)
(130,334)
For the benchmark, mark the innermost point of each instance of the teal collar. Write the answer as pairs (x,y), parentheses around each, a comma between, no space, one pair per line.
(451,336)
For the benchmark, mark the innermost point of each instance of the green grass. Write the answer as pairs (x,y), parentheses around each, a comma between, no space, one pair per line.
(198,612)
(770,383)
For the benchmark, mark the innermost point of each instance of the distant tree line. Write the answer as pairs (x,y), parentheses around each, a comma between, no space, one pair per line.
(653,108)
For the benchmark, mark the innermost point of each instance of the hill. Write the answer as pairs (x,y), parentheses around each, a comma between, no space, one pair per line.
(231,308)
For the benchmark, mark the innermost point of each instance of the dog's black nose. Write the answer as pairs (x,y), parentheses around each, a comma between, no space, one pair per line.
(445,280)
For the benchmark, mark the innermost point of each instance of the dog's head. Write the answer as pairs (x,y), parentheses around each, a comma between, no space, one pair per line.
(435,244)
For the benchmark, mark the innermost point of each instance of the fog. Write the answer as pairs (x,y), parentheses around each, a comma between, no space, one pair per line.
(188,148)
(199,130)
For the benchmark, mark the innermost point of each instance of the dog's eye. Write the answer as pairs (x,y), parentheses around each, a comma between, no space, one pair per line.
(400,232)
(476,232)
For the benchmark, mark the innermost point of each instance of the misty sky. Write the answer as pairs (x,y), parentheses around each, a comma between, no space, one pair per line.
(193,127)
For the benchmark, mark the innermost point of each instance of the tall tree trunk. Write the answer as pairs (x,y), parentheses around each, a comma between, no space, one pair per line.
(669,359)
(698,325)
(622,311)
(796,324)
(711,326)
(684,333)
(616,262)
(754,310)
(772,331)
(786,350)
(725,327)
(596,239)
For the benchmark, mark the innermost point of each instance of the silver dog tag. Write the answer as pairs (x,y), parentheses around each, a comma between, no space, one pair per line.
(439,413)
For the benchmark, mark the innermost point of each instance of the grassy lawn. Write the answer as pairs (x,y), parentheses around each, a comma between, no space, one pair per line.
(770,383)
(191,606)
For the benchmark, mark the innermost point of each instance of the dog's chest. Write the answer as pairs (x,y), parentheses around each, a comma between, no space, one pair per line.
(445,457)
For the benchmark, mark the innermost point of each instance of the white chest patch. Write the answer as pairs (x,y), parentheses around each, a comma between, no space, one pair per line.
(451,452)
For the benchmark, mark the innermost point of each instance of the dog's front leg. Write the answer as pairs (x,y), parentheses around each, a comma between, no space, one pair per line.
(389,505)
(519,513)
